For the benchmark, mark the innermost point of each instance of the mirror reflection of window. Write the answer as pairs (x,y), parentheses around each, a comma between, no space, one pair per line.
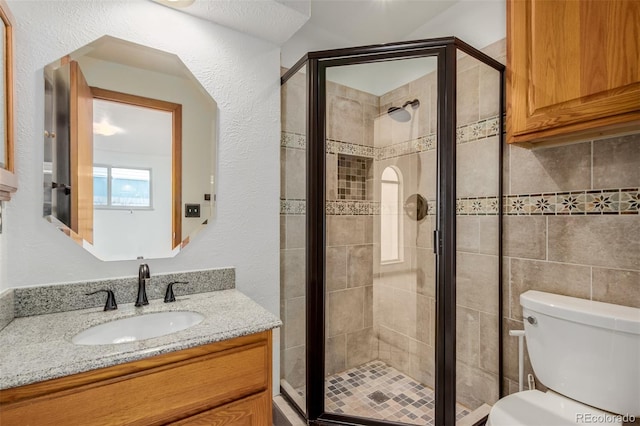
(115,187)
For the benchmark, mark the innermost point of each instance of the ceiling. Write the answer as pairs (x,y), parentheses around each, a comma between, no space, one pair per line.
(346,23)
(301,26)
(362,22)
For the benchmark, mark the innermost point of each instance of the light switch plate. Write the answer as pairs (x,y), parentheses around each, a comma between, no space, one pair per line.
(192,210)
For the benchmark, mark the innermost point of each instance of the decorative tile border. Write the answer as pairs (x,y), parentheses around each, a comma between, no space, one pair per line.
(333,207)
(293,206)
(605,201)
(293,140)
(477,206)
(471,132)
(339,147)
(353,208)
(413,146)
(479,130)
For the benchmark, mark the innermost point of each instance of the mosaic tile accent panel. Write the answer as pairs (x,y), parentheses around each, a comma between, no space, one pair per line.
(376,390)
(352,177)
(594,202)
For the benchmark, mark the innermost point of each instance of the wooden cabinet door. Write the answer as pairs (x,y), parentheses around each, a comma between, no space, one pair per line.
(81,152)
(251,411)
(573,68)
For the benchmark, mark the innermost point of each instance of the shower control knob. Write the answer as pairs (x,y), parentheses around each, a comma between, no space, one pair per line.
(532,320)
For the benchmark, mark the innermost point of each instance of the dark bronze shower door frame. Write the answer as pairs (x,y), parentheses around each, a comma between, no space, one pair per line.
(445,50)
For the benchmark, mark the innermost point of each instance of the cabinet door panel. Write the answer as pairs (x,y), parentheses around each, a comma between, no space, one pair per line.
(573,67)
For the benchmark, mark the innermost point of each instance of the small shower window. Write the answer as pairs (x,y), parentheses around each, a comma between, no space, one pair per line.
(390,220)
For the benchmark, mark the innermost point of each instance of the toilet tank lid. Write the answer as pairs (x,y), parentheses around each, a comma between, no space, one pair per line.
(598,314)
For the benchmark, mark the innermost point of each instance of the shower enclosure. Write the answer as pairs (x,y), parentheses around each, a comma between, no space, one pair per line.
(391,181)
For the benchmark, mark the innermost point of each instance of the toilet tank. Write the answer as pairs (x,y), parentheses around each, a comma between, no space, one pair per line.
(588,351)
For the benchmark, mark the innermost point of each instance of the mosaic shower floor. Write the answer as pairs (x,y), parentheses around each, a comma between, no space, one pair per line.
(378,391)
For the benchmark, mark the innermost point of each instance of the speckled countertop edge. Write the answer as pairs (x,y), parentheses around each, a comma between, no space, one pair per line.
(39,348)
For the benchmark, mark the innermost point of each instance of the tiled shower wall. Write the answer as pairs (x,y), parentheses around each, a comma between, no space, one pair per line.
(570,227)
(404,309)
(404,291)
(350,338)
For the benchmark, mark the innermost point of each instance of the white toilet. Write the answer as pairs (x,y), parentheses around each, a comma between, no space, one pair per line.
(588,355)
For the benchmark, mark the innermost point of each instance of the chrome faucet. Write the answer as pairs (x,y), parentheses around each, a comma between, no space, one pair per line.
(143,276)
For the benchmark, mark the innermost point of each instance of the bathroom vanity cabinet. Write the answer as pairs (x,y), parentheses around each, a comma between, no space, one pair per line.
(222,383)
(573,69)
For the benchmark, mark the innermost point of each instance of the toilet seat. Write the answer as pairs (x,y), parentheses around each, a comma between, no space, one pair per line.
(535,408)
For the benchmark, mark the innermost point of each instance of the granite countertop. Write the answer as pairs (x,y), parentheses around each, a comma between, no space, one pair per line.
(39,347)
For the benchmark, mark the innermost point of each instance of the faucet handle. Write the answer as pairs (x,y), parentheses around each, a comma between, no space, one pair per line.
(169,296)
(111,299)
(143,271)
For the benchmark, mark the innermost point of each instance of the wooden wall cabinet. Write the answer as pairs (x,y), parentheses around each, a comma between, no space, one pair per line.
(573,69)
(224,383)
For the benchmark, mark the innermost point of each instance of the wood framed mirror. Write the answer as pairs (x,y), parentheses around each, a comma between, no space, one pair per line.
(8,180)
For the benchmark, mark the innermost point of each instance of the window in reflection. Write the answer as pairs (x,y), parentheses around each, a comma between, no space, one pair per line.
(118,187)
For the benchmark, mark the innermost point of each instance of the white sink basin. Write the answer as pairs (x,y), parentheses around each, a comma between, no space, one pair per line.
(139,327)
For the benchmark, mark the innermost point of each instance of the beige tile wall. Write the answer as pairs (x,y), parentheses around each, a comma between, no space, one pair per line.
(350,337)
(404,292)
(349,329)
(591,255)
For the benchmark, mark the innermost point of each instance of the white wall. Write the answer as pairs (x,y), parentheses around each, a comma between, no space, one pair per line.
(240,72)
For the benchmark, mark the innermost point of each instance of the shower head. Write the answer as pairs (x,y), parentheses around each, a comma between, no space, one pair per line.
(400,113)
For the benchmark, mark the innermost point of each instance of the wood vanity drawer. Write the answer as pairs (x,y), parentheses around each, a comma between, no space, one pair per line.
(166,392)
(251,411)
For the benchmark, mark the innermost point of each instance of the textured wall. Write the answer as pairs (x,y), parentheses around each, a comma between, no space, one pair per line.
(240,72)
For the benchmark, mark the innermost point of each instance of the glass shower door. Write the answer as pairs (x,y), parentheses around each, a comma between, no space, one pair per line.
(381,174)
(293,153)
(390,233)
(478,234)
